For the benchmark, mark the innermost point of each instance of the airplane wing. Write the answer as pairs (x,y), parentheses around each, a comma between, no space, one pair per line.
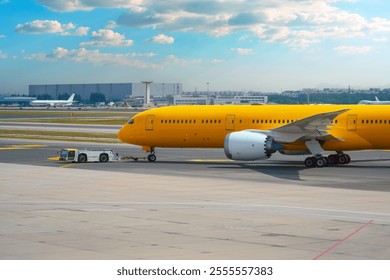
(314,127)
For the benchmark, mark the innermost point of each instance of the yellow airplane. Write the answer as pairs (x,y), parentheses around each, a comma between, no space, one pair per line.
(255,132)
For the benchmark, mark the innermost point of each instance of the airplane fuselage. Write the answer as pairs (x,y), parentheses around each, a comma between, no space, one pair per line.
(361,127)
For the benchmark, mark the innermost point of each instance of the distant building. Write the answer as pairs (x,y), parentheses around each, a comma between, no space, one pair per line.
(15,100)
(242,99)
(206,100)
(112,91)
(191,100)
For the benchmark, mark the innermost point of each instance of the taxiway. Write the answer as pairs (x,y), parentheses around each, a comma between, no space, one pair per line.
(190,204)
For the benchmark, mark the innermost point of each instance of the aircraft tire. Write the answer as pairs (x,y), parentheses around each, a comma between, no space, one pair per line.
(322,162)
(310,162)
(348,159)
(343,159)
(152,158)
(333,159)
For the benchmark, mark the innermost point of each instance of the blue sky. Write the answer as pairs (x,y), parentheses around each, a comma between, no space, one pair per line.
(267,45)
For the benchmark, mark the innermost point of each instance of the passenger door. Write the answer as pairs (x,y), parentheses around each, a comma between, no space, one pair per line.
(149,122)
(352,122)
(230,122)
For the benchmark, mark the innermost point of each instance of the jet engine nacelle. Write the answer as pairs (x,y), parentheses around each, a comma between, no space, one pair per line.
(249,145)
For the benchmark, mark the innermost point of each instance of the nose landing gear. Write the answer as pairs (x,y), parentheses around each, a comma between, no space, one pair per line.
(152,157)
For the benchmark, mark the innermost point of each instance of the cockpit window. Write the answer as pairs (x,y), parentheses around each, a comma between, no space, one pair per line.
(131,121)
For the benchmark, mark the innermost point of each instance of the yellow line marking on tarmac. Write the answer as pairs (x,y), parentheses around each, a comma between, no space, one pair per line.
(54,158)
(67,165)
(22,147)
(57,158)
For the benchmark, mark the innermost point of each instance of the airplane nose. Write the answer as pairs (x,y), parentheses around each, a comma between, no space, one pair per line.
(122,134)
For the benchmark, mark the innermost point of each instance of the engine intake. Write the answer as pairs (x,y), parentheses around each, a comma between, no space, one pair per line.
(249,145)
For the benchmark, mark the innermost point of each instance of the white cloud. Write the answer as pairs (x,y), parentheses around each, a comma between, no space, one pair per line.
(3,55)
(298,23)
(107,38)
(110,25)
(81,31)
(353,49)
(163,39)
(243,51)
(172,59)
(95,57)
(87,5)
(51,26)
(381,40)
(2,36)
(379,25)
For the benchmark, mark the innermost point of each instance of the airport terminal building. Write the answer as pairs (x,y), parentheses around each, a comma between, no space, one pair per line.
(112,91)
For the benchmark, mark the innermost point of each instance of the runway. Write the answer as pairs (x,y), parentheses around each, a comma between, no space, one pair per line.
(190,204)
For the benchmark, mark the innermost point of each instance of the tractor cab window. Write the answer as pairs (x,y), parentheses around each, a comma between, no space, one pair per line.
(131,121)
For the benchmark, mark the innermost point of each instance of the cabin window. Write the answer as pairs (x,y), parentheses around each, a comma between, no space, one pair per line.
(131,121)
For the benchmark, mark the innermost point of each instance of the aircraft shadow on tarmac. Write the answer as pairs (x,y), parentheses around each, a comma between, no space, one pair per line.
(285,170)
(281,170)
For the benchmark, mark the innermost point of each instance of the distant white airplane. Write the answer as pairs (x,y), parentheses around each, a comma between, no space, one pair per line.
(54,103)
(376,101)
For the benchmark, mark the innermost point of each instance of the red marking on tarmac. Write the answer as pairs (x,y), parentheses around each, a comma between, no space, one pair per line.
(343,240)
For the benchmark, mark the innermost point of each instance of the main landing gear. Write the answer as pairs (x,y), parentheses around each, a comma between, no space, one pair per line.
(321,161)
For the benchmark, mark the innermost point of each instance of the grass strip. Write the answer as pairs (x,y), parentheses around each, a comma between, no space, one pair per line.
(55,135)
